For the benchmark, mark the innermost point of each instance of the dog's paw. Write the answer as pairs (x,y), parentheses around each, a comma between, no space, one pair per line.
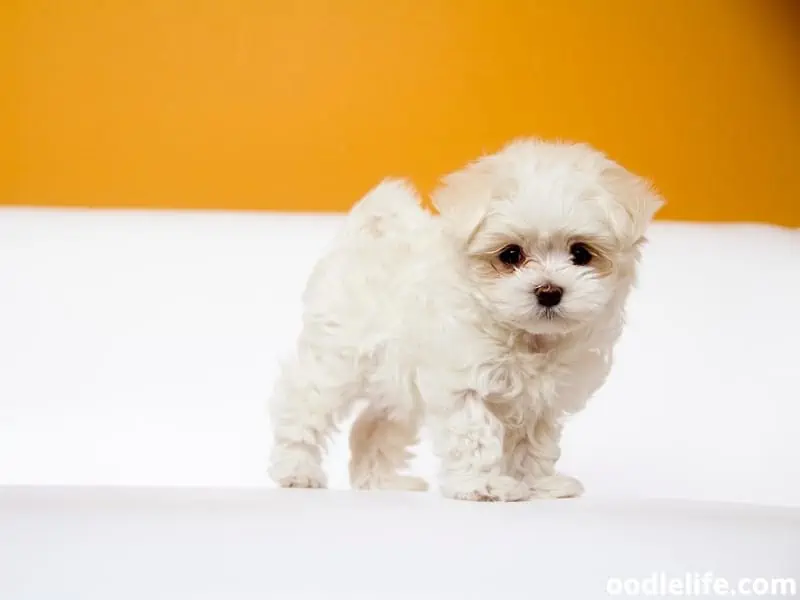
(296,469)
(495,488)
(399,483)
(410,483)
(302,481)
(556,486)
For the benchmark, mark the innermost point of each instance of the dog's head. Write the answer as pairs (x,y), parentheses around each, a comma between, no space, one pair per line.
(550,232)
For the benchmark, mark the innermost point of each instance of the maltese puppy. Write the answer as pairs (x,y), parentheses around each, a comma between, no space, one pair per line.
(488,323)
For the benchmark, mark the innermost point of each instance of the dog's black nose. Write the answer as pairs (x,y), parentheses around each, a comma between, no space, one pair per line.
(548,295)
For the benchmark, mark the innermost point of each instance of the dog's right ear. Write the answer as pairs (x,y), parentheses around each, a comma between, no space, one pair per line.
(463,197)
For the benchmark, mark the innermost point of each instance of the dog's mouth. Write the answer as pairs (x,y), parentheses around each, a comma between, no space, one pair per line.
(555,319)
(550,314)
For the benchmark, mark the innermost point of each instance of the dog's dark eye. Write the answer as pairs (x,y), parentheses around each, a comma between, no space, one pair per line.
(581,255)
(511,255)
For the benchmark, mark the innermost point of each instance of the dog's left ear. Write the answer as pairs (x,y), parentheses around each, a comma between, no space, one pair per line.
(636,200)
(463,197)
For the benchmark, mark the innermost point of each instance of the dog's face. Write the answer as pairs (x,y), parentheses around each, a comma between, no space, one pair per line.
(550,233)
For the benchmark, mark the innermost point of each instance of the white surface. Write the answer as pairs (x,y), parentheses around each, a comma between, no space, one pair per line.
(263,544)
(138,349)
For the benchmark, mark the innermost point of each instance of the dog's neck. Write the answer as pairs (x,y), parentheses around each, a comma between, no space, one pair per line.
(532,343)
(540,343)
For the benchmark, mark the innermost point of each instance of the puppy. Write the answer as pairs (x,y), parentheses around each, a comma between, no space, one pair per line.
(488,322)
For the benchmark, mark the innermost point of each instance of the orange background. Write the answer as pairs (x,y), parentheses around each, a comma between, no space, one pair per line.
(305,104)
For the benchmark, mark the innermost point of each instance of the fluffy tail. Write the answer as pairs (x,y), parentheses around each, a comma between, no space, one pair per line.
(391,206)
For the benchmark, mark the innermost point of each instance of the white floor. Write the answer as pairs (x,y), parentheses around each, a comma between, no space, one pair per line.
(138,349)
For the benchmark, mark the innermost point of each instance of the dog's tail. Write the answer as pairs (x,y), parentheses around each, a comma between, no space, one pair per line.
(392,206)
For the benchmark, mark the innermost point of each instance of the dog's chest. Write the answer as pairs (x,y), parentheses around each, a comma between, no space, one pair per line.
(529,380)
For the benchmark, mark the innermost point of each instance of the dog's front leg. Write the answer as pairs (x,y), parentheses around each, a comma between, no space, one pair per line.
(531,453)
(533,449)
(468,439)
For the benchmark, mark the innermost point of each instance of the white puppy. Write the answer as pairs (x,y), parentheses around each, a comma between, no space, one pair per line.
(488,323)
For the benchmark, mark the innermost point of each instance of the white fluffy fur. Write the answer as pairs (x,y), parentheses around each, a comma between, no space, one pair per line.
(413,313)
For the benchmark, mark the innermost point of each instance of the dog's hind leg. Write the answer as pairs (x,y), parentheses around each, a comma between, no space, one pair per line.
(380,443)
(312,395)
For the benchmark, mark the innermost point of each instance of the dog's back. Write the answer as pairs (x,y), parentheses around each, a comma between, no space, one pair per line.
(367,265)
